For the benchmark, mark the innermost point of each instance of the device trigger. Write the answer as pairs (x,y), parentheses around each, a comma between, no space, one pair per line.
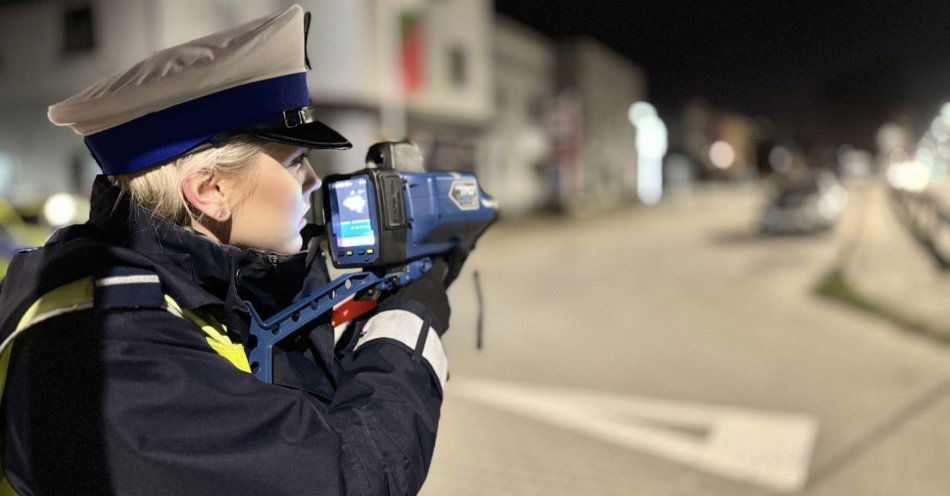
(350,310)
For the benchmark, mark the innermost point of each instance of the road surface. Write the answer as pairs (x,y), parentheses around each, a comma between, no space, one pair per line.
(670,351)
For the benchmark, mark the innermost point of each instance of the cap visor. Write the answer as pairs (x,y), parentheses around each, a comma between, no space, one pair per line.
(311,135)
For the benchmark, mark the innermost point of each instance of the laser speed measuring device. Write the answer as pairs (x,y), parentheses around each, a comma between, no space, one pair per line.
(388,219)
(393,212)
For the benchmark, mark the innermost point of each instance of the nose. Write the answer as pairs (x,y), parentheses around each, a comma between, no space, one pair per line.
(310,179)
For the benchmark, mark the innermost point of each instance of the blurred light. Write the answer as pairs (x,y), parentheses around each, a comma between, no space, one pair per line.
(780,159)
(722,155)
(925,156)
(896,156)
(945,112)
(890,137)
(60,209)
(833,201)
(855,164)
(650,186)
(940,129)
(651,138)
(651,147)
(6,171)
(910,175)
(938,173)
(639,111)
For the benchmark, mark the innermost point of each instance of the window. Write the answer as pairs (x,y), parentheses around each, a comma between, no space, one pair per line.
(458,66)
(78,31)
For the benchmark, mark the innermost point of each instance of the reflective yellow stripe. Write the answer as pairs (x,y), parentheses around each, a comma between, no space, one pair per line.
(4,364)
(216,335)
(78,295)
(5,489)
(73,296)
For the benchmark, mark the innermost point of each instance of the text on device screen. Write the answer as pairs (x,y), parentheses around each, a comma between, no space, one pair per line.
(356,229)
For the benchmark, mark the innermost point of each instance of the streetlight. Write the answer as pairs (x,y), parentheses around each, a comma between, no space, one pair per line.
(651,144)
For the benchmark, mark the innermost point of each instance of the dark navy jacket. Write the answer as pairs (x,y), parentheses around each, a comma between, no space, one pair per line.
(127,398)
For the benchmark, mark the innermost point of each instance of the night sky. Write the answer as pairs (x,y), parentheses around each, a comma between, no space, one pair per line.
(825,72)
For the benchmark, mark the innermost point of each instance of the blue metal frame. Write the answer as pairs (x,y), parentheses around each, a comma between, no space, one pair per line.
(291,319)
(308,309)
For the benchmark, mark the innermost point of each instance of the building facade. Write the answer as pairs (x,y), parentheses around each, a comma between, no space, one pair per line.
(387,70)
(606,85)
(382,69)
(543,123)
(517,149)
(50,50)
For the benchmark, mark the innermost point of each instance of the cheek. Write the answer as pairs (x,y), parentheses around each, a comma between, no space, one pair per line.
(285,200)
(268,218)
(273,211)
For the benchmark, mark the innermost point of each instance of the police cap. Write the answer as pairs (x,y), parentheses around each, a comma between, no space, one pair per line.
(249,80)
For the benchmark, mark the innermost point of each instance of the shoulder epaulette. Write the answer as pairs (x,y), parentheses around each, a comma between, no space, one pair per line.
(128,287)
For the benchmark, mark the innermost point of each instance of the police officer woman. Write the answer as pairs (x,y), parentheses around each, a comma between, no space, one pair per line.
(122,348)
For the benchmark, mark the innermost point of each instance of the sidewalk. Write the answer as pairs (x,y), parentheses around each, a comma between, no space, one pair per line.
(881,261)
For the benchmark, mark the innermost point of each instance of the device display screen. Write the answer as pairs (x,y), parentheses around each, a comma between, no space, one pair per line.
(356,228)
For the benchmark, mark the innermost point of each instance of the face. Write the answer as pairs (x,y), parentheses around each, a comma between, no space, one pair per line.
(270,215)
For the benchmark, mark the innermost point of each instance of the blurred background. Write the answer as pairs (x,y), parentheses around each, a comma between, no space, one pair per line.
(722,261)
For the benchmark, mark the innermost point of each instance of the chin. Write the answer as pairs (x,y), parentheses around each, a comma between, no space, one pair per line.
(292,246)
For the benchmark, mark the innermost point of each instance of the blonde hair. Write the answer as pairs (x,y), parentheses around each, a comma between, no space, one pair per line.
(158,188)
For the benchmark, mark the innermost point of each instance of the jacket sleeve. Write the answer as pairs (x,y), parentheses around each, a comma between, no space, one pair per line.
(146,407)
(387,403)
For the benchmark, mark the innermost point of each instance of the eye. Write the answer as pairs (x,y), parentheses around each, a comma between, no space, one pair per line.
(295,164)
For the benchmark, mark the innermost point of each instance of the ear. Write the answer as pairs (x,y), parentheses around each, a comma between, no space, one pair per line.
(203,191)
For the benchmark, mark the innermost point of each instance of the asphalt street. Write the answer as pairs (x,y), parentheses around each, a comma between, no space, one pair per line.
(671,351)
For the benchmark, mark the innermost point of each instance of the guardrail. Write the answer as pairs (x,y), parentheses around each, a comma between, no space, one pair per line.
(928,221)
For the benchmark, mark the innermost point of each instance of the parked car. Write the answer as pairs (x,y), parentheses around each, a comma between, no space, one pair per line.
(809,202)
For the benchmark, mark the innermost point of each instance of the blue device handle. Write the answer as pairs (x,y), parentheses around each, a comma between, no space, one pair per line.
(268,333)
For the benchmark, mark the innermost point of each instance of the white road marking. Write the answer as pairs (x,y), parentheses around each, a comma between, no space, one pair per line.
(770,449)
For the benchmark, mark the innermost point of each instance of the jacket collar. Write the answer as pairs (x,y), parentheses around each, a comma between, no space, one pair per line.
(198,271)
